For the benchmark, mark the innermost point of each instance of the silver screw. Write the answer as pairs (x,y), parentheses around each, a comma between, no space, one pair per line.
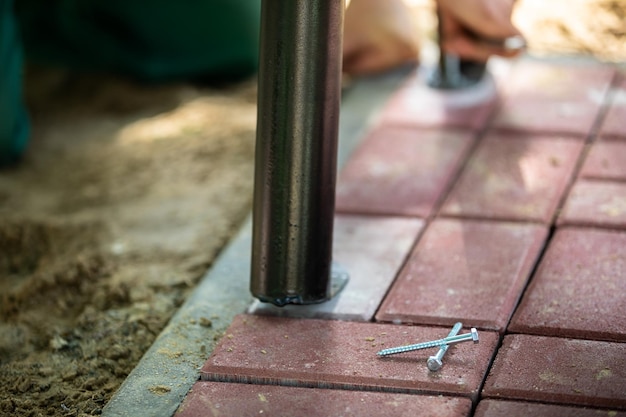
(473,336)
(434,363)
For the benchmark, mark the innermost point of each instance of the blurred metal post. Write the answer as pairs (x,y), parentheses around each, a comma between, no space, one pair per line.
(296,150)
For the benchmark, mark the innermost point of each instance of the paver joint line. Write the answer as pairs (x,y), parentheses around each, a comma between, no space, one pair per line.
(500,369)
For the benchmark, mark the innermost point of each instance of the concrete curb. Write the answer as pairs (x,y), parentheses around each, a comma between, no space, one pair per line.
(162,378)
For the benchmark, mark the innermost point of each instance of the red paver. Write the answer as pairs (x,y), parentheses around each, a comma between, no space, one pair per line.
(339,354)
(606,160)
(514,178)
(417,104)
(554,98)
(595,203)
(578,289)
(468,271)
(401,171)
(223,399)
(495,408)
(615,121)
(563,371)
(372,250)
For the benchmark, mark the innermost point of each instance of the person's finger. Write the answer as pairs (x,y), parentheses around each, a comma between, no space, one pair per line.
(487,18)
(457,40)
(476,50)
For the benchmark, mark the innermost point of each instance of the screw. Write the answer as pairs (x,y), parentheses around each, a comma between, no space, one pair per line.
(434,363)
(473,336)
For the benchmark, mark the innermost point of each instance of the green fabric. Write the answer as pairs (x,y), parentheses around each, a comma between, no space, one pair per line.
(152,40)
(157,40)
(13,119)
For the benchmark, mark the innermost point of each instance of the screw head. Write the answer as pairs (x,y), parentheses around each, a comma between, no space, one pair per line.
(474,335)
(434,363)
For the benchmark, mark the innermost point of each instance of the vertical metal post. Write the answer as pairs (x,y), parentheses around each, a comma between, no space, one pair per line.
(296,150)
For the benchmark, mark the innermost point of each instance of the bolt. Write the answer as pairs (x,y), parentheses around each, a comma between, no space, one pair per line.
(434,363)
(473,336)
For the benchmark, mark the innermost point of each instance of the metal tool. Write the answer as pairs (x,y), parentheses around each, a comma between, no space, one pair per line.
(296,151)
(453,72)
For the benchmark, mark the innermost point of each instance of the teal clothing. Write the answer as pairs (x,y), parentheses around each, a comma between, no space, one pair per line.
(153,40)
(13,117)
(159,40)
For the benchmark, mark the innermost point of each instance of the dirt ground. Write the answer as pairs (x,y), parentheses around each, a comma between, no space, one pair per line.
(127,194)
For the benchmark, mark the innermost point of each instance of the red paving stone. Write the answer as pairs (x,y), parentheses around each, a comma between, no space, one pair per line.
(606,160)
(416,104)
(241,400)
(579,287)
(372,250)
(595,203)
(495,408)
(340,354)
(562,371)
(513,177)
(614,123)
(468,271)
(462,269)
(553,98)
(401,171)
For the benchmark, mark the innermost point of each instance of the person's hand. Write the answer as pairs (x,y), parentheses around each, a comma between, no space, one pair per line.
(472,28)
(378,35)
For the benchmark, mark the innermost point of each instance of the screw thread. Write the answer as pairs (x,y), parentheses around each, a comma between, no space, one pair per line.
(426,345)
(409,348)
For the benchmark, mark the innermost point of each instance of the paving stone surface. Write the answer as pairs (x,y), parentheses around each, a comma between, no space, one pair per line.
(495,408)
(578,289)
(491,207)
(553,98)
(224,399)
(340,354)
(417,104)
(557,370)
(606,160)
(465,270)
(595,203)
(372,251)
(401,171)
(512,177)
(614,122)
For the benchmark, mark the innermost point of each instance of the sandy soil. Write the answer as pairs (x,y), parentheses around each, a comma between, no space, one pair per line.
(127,194)
(123,201)
(580,27)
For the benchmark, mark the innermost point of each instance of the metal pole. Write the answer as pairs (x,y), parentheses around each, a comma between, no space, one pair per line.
(296,150)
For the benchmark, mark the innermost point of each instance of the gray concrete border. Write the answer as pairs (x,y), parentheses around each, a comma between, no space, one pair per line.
(162,378)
